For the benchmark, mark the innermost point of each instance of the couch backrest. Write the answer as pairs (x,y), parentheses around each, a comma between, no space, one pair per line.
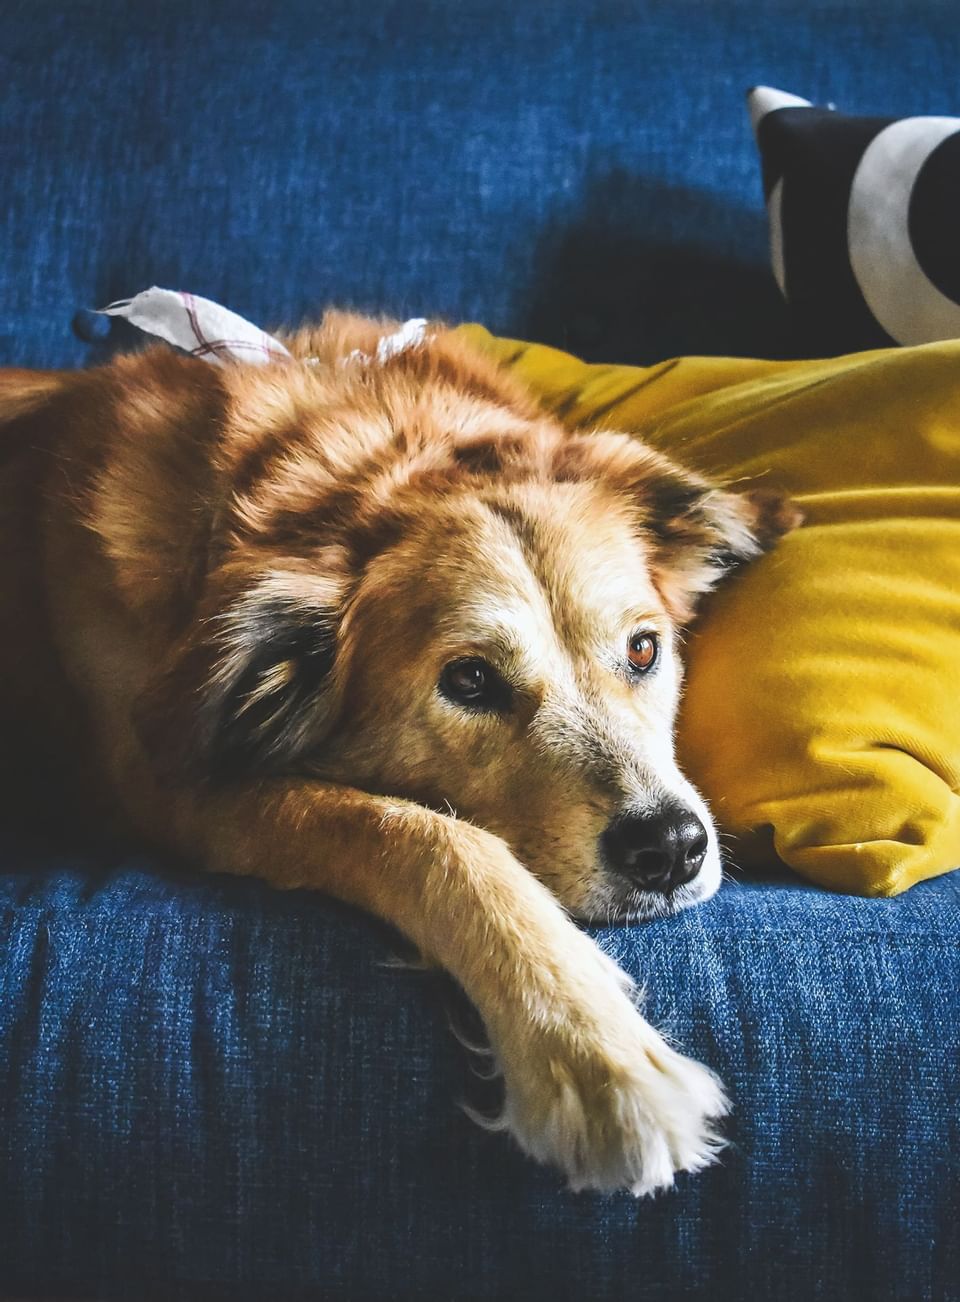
(579,171)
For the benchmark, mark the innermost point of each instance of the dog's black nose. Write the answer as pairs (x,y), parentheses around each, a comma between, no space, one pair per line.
(658,853)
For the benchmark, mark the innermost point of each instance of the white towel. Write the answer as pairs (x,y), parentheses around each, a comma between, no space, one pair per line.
(204,329)
(198,326)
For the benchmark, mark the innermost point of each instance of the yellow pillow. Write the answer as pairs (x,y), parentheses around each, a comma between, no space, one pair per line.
(822,707)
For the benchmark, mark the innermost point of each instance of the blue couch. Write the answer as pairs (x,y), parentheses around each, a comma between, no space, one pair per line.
(212,1090)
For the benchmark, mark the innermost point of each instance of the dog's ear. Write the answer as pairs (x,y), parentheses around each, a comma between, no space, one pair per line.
(700,532)
(249,690)
(695,531)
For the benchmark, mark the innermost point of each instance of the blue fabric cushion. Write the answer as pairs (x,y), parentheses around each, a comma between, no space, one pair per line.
(580,171)
(206,1082)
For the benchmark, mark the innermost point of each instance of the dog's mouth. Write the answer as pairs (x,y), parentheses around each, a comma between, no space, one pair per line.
(616,903)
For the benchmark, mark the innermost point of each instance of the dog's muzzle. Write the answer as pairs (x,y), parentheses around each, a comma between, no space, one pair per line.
(657,853)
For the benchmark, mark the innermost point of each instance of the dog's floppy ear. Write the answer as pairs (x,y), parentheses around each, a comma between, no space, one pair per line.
(700,532)
(695,531)
(249,690)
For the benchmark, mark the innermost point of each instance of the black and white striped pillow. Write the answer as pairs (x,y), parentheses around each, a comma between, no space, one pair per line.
(864,221)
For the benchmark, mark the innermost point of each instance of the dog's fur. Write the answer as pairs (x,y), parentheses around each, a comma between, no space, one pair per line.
(228,597)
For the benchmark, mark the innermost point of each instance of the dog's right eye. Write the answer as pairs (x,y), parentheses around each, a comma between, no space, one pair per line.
(474,683)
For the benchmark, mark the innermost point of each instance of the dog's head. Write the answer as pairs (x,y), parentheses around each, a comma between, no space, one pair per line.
(419,584)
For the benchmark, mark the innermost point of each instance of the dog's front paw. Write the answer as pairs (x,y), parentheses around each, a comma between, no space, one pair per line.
(603,1097)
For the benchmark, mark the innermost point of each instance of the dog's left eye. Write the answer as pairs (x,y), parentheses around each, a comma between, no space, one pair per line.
(643,651)
(474,682)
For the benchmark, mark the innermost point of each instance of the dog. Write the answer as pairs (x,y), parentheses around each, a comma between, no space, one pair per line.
(383,627)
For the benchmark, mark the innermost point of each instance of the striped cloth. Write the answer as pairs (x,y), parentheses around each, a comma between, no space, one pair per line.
(204,329)
(199,326)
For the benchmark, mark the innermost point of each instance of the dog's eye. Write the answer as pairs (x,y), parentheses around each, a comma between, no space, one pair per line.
(473,682)
(643,650)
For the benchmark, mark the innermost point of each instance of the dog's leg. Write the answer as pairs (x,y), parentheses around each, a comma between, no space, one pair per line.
(590,1086)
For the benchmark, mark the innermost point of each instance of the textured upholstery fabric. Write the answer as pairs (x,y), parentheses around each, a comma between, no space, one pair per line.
(208,1090)
(207,1081)
(580,172)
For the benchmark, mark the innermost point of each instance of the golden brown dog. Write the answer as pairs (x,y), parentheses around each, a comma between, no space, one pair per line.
(387,630)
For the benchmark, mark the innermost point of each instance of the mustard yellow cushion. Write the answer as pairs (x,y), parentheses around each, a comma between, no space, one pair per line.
(822,710)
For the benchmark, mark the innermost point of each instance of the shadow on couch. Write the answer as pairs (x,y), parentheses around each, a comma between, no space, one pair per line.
(636,271)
